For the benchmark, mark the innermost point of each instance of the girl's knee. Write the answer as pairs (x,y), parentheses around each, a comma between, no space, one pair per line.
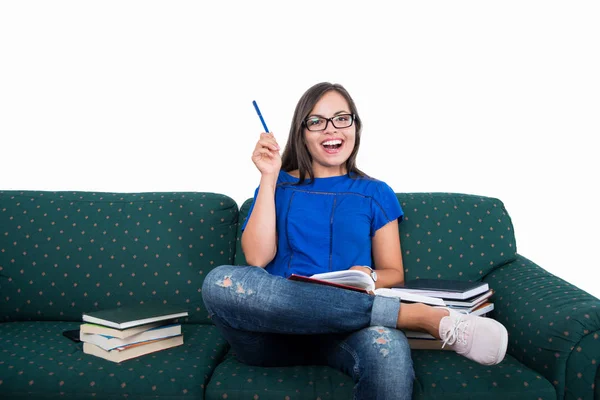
(224,275)
(239,279)
(229,287)
(215,277)
(217,273)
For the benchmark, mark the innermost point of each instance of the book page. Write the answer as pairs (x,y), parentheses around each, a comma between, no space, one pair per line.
(348,277)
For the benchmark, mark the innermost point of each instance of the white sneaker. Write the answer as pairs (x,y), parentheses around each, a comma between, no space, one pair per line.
(480,339)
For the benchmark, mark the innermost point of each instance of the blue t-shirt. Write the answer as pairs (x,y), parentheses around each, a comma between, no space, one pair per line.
(327,224)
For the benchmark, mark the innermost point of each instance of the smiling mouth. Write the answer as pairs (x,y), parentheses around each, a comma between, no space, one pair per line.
(334,144)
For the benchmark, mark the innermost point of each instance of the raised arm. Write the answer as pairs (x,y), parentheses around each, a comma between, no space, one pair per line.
(259,240)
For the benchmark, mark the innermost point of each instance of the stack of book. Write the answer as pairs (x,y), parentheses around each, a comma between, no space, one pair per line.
(123,333)
(461,296)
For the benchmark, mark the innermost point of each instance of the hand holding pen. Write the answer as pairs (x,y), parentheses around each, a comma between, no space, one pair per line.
(266,155)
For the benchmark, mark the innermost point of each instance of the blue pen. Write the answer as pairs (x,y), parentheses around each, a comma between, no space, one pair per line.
(260,115)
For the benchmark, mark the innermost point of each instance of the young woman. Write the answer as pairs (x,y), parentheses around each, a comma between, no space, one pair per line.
(315,211)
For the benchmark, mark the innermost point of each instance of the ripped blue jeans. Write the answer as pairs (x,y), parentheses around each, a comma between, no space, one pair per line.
(272,321)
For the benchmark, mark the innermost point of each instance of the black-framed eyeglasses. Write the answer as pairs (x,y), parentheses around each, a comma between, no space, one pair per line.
(320,124)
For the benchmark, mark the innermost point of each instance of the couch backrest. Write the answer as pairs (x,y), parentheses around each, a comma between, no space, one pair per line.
(63,253)
(446,235)
(240,259)
(454,236)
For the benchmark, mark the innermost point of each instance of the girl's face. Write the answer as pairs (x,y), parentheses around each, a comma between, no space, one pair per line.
(331,147)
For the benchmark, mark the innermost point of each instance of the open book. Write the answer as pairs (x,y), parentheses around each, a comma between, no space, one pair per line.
(361,282)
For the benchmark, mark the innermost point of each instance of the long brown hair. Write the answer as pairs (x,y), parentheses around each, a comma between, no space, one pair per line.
(296,155)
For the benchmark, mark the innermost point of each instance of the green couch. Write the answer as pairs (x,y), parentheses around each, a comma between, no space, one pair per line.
(63,253)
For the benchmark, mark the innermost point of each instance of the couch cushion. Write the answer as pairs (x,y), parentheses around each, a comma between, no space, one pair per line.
(439,375)
(233,380)
(37,361)
(447,375)
(63,253)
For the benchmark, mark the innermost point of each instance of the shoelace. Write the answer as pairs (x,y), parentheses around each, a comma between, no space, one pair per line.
(457,332)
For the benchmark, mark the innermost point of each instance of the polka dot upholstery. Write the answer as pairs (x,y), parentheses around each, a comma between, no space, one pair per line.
(454,236)
(554,327)
(240,259)
(467,237)
(234,380)
(446,375)
(439,375)
(63,253)
(37,361)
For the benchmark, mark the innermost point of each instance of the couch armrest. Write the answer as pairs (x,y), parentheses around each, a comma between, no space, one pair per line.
(553,326)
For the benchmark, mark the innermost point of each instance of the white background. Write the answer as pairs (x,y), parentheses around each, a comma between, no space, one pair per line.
(491,98)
